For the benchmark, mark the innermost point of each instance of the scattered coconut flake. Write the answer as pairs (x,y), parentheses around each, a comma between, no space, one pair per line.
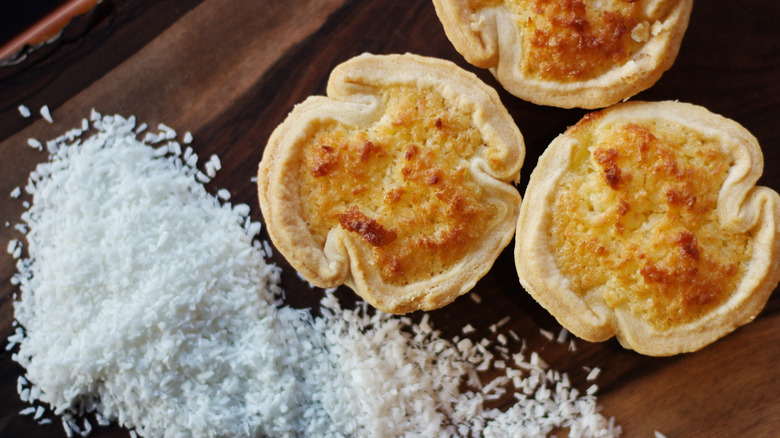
(562,335)
(214,159)
(210,170)
(35,144)
(269,252)
(475,297)
(46,114)
(168,132)
(66,428)
(658,434)
(547,334)
(202,177)
(593,374)
(187,139)
(223,194)
(24,111)
(468,329)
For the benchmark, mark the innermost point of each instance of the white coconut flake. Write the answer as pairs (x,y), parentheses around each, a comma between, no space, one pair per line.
(210,170)
(177,328)
(562,335)
(46,114)
(214,159)
(593,374)
(168,132)
(269,252)
(223,194)
(35,144)
(658,434)
(12,246)
(202,177)
(24,111)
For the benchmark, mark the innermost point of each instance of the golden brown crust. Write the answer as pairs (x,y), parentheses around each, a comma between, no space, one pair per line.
(643,222)
(572,53)
(398,184)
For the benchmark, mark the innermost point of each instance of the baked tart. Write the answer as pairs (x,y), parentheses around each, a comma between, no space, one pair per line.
(643,221)
(399,183)
(568,53)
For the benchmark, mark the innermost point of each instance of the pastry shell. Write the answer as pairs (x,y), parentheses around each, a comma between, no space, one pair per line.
(346,253)
(739,208)
(490,35)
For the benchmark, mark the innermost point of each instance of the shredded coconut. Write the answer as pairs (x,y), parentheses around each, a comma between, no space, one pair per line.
(177,328)
(46,114)
(24,111)
(35,144)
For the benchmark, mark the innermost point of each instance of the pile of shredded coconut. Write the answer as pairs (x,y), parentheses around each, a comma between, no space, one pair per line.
(145,300)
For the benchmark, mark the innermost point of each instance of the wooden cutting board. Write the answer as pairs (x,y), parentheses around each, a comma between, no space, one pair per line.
(230,70)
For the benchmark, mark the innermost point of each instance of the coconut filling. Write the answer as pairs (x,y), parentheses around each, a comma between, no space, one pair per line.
(634,222)
(578,40)
(401,187)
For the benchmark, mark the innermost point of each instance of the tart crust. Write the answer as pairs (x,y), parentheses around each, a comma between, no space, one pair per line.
(643,221)
(573,53)
(398,184)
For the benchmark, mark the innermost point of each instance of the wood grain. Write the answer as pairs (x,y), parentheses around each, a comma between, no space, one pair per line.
(230,70)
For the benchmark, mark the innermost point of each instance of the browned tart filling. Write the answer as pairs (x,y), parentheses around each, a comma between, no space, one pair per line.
(399,183)
(644,222)
(402,187)
(635,221)
(568,53)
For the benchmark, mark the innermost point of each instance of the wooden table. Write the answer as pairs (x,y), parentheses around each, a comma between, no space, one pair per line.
(230,70)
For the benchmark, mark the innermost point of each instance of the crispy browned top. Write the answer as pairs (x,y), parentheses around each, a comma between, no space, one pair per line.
(568,40)
(634,221)
(402,187)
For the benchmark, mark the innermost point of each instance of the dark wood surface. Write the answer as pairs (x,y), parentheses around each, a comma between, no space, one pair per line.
(230,70)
